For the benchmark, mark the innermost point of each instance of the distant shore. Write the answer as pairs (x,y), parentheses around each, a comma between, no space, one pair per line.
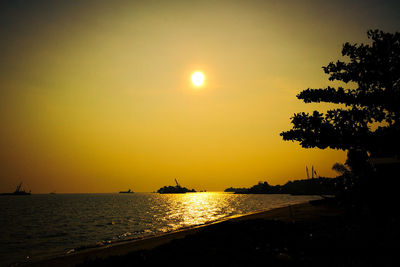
(298,212)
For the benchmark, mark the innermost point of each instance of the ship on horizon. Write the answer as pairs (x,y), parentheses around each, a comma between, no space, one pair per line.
(19,191)
(126,192)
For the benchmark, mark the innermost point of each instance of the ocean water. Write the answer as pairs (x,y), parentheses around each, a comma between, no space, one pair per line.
(44,226)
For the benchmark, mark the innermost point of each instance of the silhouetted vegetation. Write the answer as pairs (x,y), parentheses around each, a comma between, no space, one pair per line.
(174,190)
(236,190)
(375,70)
(368,126)
(316,186)
(177,189)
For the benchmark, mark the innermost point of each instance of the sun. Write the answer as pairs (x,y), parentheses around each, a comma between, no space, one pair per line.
(198,78)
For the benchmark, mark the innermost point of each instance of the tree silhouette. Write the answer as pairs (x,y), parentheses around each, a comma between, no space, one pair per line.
(340,168)
(370,119)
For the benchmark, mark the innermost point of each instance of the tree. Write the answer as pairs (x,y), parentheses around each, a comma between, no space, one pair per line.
(340,168)
(370,119)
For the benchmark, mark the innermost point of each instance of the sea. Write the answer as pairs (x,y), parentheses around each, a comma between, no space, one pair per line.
(43,226)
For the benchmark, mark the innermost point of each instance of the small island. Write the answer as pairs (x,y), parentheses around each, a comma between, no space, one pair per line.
(178,189)
(314,186)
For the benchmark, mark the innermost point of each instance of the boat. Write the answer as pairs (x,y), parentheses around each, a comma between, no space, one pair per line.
(178,189)
(126,192)
(19,191)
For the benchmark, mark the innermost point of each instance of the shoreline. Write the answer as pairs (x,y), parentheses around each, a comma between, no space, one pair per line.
(296,212)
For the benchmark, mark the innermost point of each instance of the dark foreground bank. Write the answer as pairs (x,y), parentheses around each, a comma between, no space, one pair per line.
(311,234)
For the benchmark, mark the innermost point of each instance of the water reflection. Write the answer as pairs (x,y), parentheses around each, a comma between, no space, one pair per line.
(49,225)
(197,208)
(174,211)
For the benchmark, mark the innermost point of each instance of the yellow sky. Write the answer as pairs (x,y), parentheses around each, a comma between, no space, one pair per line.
(97,96)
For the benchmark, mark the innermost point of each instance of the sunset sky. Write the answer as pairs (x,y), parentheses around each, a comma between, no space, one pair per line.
(96,96)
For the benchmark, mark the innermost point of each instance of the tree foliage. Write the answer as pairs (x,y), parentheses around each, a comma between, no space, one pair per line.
(370,118)
(340,168)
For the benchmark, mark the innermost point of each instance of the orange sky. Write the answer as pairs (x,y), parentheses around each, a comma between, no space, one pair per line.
(96,96)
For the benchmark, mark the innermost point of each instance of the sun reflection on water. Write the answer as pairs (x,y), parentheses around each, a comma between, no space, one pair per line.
(196,208)
(64,221)
(168,212)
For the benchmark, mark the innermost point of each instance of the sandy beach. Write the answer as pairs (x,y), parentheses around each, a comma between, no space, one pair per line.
(304,212)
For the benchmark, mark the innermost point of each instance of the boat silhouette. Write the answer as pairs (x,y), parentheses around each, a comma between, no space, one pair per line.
(19,191)
(126,192)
